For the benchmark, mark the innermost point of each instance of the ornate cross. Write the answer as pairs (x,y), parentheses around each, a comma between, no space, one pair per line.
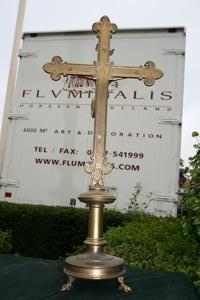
(94,264)
(103,72)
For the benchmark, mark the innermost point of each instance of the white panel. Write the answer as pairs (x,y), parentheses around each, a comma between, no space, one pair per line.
(47,149)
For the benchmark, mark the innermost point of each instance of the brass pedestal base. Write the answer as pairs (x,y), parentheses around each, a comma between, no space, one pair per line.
(95,267)
(94,264)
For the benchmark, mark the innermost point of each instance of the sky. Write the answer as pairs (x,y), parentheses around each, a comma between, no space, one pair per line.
(59,15)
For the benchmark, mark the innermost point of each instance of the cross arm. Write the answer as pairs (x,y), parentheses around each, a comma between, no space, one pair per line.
(56,68)
(149,73)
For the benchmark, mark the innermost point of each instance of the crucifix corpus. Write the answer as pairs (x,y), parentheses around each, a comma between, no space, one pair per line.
(94,263)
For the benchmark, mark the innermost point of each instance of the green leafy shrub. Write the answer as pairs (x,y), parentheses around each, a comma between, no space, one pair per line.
(5,241)
(191,197)
(156,243)
(48,232)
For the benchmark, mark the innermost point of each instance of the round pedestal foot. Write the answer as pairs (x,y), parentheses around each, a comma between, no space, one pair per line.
(94,266)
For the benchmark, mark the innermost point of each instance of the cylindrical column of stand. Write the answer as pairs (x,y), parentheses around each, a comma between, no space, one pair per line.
(95,240)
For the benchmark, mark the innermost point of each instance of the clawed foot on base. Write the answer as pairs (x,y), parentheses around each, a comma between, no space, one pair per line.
(69,285)
(122,286)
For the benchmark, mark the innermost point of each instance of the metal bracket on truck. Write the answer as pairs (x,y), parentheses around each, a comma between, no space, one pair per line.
(8,182)
(16,116)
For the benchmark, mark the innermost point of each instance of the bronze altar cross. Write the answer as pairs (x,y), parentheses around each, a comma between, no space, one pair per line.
(94,264)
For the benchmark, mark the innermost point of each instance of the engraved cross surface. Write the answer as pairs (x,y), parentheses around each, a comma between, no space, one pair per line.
(103,72)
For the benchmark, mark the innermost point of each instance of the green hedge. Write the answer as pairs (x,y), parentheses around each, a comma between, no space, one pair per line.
(150,242)
(143,241)
(5,241)
(48,232)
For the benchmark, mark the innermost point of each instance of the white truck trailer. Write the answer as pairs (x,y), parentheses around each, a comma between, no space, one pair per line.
(50,130)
